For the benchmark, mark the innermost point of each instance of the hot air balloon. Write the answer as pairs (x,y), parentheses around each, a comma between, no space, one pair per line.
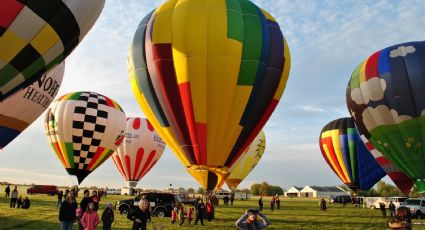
(139,152)
(247,162)
(347,156)
(21,109)
(385,96)
(35,36)
(84,129)
(208,75)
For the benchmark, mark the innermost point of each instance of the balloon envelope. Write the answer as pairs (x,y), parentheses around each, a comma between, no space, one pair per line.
(208,75)
(84,129)
(139,151)
(385,96)
(18,111)
(247,162)
(347,156)
(35,36)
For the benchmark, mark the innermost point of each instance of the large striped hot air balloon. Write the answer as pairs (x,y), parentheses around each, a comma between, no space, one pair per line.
(348,157)
(208,75)
(84,129)
(139,151)
(18,111)
(386,97)
(35,36)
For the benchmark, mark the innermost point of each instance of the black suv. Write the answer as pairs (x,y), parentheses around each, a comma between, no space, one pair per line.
(161,203)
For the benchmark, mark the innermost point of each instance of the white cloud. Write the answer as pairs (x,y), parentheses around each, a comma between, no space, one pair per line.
(402,51)
(382,115)
(308,108)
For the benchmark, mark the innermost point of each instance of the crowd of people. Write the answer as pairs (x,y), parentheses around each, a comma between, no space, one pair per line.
(16,201)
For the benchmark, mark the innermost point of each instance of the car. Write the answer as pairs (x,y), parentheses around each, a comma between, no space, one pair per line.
(416,206)
(398,200)
(43,189)
(113,192)
(161,203)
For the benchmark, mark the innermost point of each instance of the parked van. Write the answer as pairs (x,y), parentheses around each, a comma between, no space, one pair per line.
(43,189)
(398,200)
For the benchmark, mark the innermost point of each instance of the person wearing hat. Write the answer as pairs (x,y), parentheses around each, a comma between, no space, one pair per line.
(249,220)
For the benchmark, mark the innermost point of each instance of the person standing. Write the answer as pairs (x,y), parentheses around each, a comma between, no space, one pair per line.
(260,203)
(391,207)
(277,202)
(83,205)
(60,197)
(90,218)
(108,217)
(140,216)
(322,204)
(95,199)
(272,202)
(14,197)
(180,214)
(189,215)
(200,212)
(232,198)
(67,212)
(210,210)
(7,191)
(383,211)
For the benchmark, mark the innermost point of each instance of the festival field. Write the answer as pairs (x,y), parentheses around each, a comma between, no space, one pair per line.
(296,213)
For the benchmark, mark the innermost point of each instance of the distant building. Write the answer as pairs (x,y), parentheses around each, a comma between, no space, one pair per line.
(322,191)
(293,191)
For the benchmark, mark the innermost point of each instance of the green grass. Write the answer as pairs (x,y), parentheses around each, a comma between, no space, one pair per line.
(297,213)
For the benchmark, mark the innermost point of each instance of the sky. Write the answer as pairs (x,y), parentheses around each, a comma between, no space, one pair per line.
(327,40)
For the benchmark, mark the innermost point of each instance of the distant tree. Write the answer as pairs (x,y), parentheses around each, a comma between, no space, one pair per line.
(181,190)
(191,190)
(255,189)
(264,188)
(201,190)
(245,190)
(386,190)
(369,193)
(275,189)
(415,192)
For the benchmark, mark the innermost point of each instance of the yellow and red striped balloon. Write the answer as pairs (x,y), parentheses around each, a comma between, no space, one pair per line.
(208,75)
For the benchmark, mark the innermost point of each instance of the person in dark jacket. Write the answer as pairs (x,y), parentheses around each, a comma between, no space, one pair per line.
(249,220)
(140,216)
(95,199)
(391,207)
(108,217)
(19,202)
(277,202)
(260,203)
(26,203)
(67,212)
(7,191)
(200,212)
(83,205)
(383,211)
(60,197)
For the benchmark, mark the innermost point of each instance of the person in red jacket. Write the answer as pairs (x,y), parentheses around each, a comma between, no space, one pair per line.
(210,210)
(189,215)
(90,218)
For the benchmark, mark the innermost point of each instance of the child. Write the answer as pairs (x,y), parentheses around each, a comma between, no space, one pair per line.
(189,215)
(90,218)
(181,214)
(173,215)
(108,217)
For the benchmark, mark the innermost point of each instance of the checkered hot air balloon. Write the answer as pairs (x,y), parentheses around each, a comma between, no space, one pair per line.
(348,157)
(36,35)
(208,75)
(386,98)
(84,129)
(18,111)
(139,151)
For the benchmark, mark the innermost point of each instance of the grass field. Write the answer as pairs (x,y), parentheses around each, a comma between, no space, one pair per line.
(297,213)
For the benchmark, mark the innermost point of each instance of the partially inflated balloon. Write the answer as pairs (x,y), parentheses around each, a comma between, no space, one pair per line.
(208,75)
(139,152)
(347,156)
(21,109)
(84,129)
(386,97)
(247,162)
(36,35)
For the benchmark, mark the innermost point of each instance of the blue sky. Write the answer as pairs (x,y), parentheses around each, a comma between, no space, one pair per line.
(327,39)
